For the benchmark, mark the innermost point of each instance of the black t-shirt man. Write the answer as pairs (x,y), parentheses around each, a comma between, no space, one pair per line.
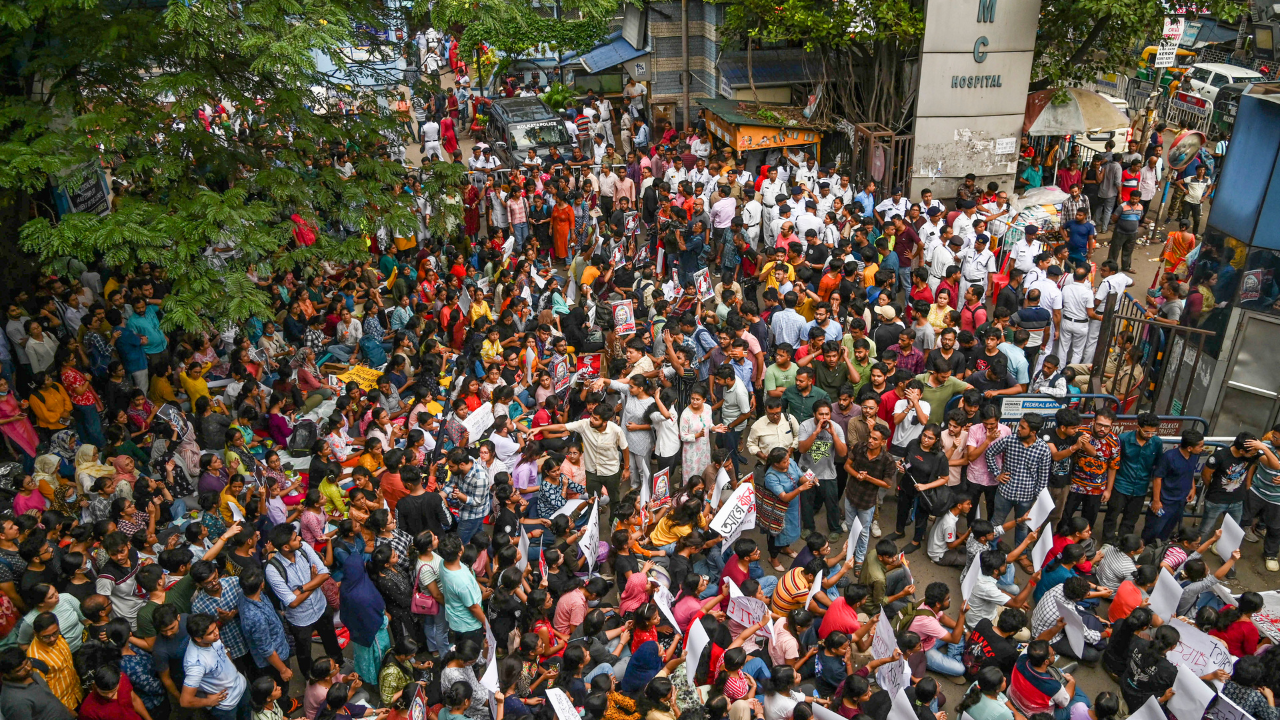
(1060,470)
(416,513)
(1229,474)
(956,361)
(987,647)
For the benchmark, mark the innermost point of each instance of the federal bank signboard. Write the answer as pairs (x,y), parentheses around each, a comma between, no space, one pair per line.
(975,66)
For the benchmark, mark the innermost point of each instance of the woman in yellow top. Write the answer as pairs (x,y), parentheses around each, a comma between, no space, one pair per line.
(50,403)
(335,503)
(676,524)
(939,310)
(196,387)
(229,506)
(479,308)
(160,389)
(51,648)
(371,458)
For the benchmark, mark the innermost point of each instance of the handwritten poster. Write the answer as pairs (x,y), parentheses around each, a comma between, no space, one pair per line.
(1201,653)
(890,675)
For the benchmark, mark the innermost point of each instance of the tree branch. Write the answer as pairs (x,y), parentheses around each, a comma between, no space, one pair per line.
(1076,57)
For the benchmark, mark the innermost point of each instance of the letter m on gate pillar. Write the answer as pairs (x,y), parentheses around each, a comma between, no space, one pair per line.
(986,11)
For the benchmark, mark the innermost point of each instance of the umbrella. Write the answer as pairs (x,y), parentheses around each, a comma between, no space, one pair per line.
(1083,111)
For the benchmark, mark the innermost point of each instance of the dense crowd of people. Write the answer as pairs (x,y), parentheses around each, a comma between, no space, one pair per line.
(511,511)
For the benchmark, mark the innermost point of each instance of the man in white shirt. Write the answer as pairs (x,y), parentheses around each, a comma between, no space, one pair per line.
(977,265)
(700,146)
(945,253)
(634,93)
(845,191)
(598,146)
(1113,281)
(1077,300)
(1025,249)
(931,231)
(807,219)
(674,175)
(699,173)
(1051,300)
(928,202)
(752,218)
(997,214)
(1149,180)
(807,175)
(895,204)
(963,224)
(771,187)
(207,667)
(825,198)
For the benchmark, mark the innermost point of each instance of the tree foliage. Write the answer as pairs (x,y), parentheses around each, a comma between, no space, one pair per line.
(516,27)
(117,84)
(858,48)
(1077,39)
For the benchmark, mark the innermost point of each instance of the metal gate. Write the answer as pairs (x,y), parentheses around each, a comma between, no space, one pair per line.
(882,156)
(1170,366)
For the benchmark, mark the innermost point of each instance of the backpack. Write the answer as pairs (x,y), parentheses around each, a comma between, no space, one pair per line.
(909,613)
(303,437)
(372,352)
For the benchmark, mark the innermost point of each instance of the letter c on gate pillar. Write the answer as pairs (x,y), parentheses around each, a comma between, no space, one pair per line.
(978,53)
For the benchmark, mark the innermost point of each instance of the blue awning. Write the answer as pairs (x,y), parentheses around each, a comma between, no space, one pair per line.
(771,68)
(613,51)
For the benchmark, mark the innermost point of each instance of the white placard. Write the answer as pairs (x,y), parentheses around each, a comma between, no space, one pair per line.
(562,705)
(813,589)
(890,675)
(479,421)
(1041,549)
(523,547)
(1149,711)
(1224,594)
(1199,651)
(490,677)
(748,522)
(734,590)
(901,709)
(697,643)
(537,278)
(1191,695)
(662,597)
(747,611)
(491,653)
(971,575)
(590,542)
(735,511)
(1224,709)
(1232,534)
(822,713)
(855,534)
(1165,596)
(571,293)
(722,480)
(568,507)
(1004,146)
(1041,510)
(1074,628)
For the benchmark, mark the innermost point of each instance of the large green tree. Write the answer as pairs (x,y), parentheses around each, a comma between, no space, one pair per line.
(1077,39)
(116,86)
(516,27)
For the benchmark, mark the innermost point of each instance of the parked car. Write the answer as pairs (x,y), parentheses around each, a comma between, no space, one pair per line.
(517,124)
(1206,78)
(1096,139)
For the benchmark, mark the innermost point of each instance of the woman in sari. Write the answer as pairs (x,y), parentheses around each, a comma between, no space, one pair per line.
(364,613)
(17,428)
(471,212)
(448,135)
(59,493)
(562,222)
(1179,243)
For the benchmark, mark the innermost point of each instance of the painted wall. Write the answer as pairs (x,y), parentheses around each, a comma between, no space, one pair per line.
(975,66)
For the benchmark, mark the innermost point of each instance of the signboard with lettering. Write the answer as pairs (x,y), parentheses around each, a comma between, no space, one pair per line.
(1016,407)
(1191,103)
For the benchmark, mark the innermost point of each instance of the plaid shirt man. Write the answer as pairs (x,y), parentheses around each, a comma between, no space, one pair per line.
(475,485)
(1028,467)
(229,600)
(1071,204)
(1046,616)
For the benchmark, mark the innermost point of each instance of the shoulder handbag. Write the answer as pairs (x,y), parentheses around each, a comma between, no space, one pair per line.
(771,511)
(423,603)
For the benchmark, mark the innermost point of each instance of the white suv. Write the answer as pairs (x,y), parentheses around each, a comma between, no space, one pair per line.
(1205,78)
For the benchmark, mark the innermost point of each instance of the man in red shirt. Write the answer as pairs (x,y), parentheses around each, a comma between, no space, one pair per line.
(1129,180)
(112,698)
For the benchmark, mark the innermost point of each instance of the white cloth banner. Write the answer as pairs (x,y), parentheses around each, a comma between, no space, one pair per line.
(697,643)
(890,675)
(590,542)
